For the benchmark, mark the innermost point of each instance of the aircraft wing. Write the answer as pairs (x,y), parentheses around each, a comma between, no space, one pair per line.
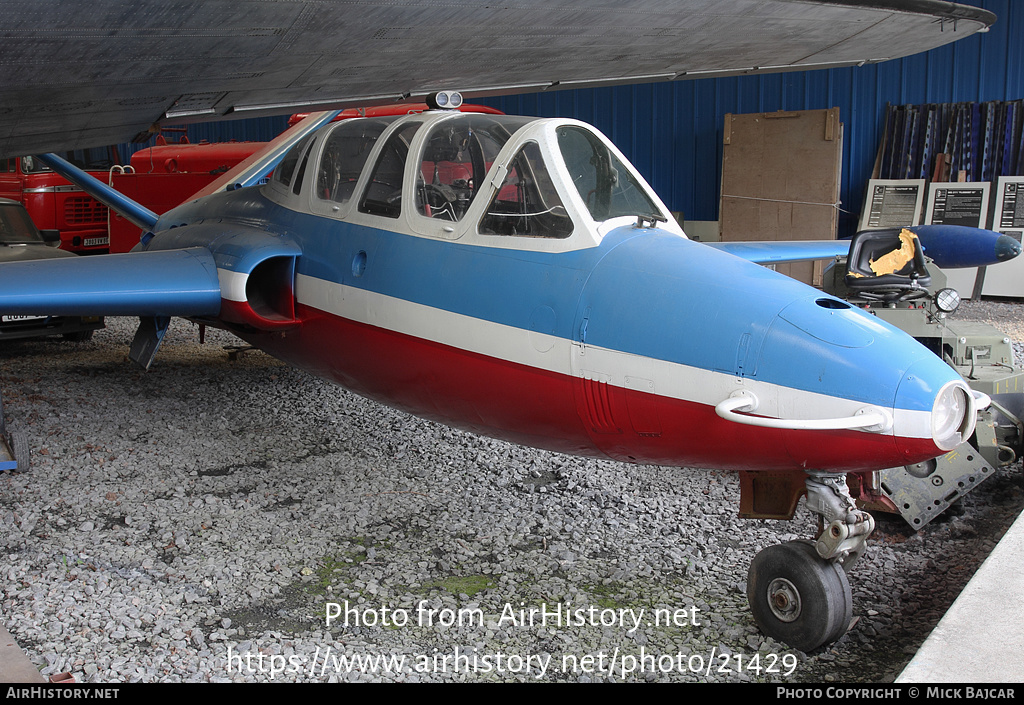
(84,74)
(780,252)
(948,246)
(181,282)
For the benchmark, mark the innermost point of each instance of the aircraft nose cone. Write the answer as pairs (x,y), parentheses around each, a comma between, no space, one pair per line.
(949,410)
(1007,248)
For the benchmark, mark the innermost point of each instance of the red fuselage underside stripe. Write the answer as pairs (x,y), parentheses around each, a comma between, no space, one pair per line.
(535,407)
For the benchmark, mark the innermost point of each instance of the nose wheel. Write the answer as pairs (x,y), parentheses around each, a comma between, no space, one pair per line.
(797,597)
(798,591)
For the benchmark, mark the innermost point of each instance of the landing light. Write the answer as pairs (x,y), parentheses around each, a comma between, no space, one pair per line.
(444,100)
(953,416)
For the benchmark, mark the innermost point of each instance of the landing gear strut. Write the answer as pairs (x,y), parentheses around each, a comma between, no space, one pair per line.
(798,591)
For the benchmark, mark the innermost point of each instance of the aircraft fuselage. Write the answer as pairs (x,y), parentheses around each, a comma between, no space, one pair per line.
(614,341)
(516,277)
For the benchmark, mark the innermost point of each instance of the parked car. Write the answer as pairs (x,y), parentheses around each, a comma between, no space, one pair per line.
(20,240)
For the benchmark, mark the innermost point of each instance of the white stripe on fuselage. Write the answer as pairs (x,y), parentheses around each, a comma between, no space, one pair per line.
(232,284)
(564,357)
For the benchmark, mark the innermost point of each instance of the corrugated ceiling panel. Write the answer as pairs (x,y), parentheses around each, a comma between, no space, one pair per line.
(682,121)
(673,131)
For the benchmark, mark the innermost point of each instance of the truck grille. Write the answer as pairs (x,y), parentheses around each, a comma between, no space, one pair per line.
(80,210)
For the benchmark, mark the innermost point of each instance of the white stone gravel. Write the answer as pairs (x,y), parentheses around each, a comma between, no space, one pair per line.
(192,523)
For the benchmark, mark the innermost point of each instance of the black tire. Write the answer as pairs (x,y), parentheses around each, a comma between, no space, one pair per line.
(797,597)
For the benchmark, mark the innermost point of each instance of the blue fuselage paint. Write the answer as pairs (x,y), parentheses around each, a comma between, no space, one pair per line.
(645,293)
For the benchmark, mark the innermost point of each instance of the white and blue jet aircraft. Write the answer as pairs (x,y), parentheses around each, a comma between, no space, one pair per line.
(507,275)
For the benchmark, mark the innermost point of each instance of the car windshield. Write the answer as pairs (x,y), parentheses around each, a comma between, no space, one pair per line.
(16,227)
(96,159)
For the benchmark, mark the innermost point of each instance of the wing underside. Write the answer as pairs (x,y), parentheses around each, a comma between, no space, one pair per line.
(98,73)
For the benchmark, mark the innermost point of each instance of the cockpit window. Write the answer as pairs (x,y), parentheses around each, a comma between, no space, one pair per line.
(301,174)
(383,195)
(344,155)
(604,183)
(526,204)
(456,157)
(286,169)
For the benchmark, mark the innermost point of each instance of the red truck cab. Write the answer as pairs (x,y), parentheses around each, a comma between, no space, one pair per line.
(168,174)
(54,203)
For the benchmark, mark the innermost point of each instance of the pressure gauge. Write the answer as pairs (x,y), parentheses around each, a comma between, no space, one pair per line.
(947,300)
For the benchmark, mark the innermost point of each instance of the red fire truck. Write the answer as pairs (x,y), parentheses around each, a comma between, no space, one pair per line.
(166,175)
(54,204)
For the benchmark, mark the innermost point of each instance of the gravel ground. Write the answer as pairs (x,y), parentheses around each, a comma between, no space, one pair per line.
(197,522)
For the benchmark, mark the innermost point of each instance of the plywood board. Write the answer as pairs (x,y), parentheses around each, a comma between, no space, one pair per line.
(781,178)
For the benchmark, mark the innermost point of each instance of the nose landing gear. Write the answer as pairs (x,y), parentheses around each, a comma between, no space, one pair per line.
(798,591)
